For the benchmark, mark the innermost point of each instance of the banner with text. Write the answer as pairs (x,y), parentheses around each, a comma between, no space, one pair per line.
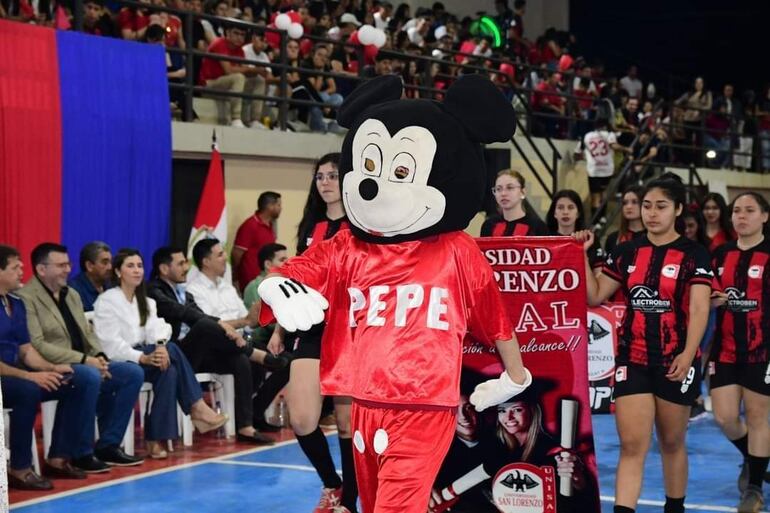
(604,324)
(536,452)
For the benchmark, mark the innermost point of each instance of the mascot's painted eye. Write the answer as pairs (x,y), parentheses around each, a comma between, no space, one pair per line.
(402,168)
(371,160)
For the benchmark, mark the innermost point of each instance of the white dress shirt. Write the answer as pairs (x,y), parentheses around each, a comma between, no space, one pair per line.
(218,299)
(116,323)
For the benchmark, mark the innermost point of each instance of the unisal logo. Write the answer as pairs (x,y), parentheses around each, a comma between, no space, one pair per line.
(646,300)
(738,302)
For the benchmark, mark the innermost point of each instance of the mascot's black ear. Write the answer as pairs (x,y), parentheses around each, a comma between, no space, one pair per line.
(378,90)
(481,108)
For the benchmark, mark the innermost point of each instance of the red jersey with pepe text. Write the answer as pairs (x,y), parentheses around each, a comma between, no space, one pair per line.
(398,314)
(743,325)
(656,283)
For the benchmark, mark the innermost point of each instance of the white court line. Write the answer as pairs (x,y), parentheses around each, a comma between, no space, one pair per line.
(698,507)
(97,486)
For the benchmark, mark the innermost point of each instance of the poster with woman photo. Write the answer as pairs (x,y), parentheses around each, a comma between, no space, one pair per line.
(535,452)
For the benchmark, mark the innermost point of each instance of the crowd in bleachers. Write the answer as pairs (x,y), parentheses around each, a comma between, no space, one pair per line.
(566,89)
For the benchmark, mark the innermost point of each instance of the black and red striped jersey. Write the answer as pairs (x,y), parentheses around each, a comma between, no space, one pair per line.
(743,326)
(656,282)
(496,226)
(321,230)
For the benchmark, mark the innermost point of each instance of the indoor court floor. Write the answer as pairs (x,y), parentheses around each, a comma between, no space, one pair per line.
(278,479)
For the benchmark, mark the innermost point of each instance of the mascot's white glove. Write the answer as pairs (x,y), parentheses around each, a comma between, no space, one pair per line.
(295,306)
(496,391)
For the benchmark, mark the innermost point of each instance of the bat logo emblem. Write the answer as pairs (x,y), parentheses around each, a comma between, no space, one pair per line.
(519,483)
(596,331)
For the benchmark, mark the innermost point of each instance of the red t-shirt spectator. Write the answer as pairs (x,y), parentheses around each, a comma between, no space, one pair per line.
(586,99)
(212,69)
(129,19)
(173,29)
(252,235)
(546,94)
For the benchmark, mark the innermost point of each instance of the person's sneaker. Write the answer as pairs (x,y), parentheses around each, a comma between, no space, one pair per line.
(258,125)
(115,457)
(237,123)
(743,477)
(330,499)
(751,500)
(90,464)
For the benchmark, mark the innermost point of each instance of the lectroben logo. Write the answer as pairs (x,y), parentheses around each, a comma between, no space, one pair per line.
(646,300)
(737,301)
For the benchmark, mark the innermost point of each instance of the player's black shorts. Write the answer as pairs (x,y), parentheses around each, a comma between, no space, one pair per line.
(308,343)
(633,379)
(599,183)
(752,376)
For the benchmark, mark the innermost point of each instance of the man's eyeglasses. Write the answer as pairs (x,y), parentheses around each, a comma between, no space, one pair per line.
(509,188)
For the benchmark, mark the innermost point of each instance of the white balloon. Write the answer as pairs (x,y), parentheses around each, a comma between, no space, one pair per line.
(296,31)
(334,33)
(380,38)
(366,34)
(283,21)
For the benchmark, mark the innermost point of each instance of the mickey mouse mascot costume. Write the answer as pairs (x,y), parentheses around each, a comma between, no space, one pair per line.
(405,284)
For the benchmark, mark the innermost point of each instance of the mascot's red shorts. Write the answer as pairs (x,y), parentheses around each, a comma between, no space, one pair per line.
(398,453)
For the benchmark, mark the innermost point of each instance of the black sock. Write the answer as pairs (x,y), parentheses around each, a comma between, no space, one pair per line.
(742,444)
(757,469)
(316,448)
(674,505)
(349,484)
(623,509)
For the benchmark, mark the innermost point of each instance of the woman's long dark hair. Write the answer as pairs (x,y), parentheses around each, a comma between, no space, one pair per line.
(550,217)
(315,206)
(724,214)
(636,190)
(672,187)
(697,215)
(141,290)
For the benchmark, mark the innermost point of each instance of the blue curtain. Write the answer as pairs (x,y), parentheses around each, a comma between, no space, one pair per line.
(116,151)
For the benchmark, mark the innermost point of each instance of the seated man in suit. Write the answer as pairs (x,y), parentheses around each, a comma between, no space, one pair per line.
(60,332)
(211,344)
(27,380)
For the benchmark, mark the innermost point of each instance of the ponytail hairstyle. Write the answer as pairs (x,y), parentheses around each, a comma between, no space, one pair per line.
(764,206)
(672,187)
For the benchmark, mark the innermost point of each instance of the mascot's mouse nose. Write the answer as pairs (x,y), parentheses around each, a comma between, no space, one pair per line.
(368,189)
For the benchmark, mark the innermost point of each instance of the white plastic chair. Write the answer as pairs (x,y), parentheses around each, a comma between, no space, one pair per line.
(224,393)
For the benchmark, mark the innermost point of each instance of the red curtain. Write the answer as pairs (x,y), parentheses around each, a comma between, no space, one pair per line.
(30,138)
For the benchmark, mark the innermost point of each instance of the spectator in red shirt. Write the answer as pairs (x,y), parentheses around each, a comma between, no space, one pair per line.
(133,22)
(547,101)
(170,23)
(252,235)
(229,76)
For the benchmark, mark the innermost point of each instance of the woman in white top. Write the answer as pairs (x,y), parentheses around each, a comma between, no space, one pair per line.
(126,322)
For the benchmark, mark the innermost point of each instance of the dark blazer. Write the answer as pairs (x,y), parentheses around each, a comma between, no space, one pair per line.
(171,310)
